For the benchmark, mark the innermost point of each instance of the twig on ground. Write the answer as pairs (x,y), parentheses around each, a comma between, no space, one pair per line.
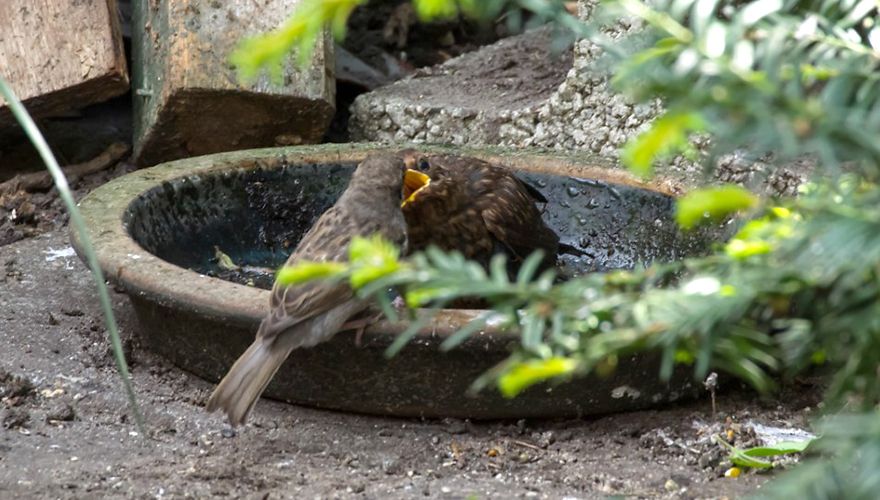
(42,181)
(525,444)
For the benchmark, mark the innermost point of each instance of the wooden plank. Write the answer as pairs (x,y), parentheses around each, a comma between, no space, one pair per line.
(60,55)
(188,100)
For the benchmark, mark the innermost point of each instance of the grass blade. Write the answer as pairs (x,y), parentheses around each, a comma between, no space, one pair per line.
(76,220)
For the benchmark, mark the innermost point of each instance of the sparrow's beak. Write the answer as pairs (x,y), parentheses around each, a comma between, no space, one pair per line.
(413,182)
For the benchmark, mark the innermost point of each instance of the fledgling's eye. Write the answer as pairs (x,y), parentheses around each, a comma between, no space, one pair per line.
(424,165)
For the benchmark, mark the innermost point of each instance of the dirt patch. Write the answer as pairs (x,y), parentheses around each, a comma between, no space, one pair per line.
(513,73)
(466,100)
(65,417)
(28,213)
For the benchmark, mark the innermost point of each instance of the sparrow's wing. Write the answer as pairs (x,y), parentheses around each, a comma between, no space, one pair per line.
(326,241)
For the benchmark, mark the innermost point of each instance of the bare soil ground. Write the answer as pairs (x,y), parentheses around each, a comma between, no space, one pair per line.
(66,432)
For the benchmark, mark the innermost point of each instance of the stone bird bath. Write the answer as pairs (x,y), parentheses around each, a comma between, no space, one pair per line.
(155,231)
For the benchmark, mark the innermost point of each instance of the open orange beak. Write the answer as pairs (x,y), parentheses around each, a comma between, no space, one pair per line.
(413,182)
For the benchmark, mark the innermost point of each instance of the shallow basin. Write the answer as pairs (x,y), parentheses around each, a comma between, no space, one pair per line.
(157,230)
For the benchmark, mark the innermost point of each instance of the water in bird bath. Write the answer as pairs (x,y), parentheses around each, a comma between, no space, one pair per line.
(257,216)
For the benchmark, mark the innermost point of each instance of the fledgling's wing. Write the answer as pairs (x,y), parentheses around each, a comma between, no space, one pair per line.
(533,191)
(509,212)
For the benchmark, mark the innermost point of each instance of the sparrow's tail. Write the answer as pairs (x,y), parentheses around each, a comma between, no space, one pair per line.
(247,379)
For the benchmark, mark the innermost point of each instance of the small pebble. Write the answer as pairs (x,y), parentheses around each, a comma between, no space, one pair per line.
(61,412)
(15,418)
(454,426)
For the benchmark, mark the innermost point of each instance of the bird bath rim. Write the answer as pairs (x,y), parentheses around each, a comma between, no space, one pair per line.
(149,279)
(128,265)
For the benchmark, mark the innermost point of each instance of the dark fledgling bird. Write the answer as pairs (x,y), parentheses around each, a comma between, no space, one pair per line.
(475,207)
(310,313)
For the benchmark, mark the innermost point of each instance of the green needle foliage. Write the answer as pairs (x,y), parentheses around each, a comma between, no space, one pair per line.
(796,288)
(781,77)
(716,203)
(33,133)
(300,31)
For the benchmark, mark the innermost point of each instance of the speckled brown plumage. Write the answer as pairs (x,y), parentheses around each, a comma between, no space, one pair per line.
(477,208)
(307,314)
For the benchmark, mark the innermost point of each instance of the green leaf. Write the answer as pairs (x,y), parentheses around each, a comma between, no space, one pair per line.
(714,43)
(716,202)
(372,259)
(433,10)
(629,68)
(532,330)
(374,248)
(743,460)
(269,50)
(386,307)
(780,448)
(529,266)
(481,9)
(411,331)
(702,13)
(305,271)
(667,135)
(77,224)
(743,249)
(738,456)
(660,20)
(224,261)
(528,373)
(755,11)
(750,456)
(420,296)
(498,269)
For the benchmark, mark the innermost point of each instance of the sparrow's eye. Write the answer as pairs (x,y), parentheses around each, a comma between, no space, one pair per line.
(424,165)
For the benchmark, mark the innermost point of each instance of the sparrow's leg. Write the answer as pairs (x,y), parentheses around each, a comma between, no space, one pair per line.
(369,317)
(360,324)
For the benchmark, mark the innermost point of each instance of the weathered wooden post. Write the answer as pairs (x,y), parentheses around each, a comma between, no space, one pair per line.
(188,100)
(60,55)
